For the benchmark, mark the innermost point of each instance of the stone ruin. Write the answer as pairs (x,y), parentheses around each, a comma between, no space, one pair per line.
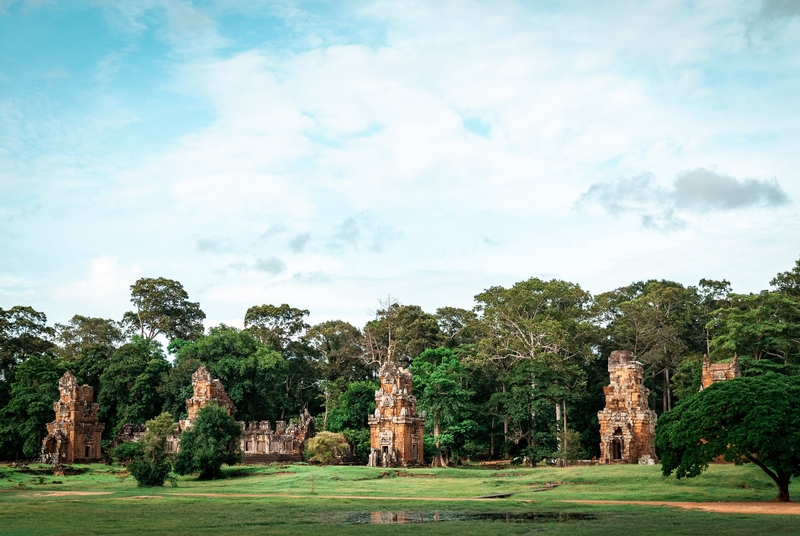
(627,424)
(75,435)
(719,372)
(259,443)
(396,432)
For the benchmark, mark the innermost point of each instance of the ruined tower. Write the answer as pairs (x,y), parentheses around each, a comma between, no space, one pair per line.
(719,372)
(396,432)
(627,424)
(206,390)
(75,434)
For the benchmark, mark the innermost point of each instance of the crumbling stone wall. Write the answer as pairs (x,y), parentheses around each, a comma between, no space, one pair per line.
(261,444)
(396,432)
(75,435)
(627,424)
(719,372)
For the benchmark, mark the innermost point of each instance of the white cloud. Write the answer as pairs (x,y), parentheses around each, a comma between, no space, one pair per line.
(105,291)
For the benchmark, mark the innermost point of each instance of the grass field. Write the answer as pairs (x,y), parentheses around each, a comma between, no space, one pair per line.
(280,500)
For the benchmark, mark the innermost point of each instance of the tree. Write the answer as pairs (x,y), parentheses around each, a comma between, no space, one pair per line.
(350,415)
(764,326)
(406,329)
(83,332)
(163,307)
(23,333)
(745,420)
(151,465)
(254,375)
(437,381)
(34,391)
(212,441)
(275,326)
(458,327)
(129,385)
(548,322)
(788,282)
(325,447)
(340,346)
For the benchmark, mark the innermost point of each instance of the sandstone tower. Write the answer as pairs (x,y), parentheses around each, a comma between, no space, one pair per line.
(396,432)
(75,434)
(627,424)
(206,390)
(719,372)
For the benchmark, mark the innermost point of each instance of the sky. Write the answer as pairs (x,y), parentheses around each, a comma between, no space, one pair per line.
(329,154)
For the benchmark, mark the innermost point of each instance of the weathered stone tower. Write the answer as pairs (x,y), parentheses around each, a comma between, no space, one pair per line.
(719,372)
(396,432)
(206,390)
(75,434)
(627,424)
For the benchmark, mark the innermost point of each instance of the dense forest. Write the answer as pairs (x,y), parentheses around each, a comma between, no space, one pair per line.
(508,378)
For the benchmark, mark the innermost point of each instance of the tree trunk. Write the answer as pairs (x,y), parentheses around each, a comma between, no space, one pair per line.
(438,460)
(505,430)
(783,487)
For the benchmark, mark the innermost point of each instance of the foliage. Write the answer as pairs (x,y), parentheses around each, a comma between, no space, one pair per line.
(163,307)
(83,332)
(275,325)
(340,347)
(325,447)
(755,420)
(570,448)
(762,326)
(355,405)
(212,441)
(125,452)
(23,419)
(406,329)
(254,375)
(151,465)
(438,378)
(23,333)
(129,385)
(788,282)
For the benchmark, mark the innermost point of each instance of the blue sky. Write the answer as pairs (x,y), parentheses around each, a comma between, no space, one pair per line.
(328,154)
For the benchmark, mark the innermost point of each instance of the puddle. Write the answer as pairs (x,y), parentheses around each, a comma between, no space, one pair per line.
(442,516)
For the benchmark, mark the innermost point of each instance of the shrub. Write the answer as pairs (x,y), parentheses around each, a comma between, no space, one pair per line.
(126,452)
(151,464)
(325,447)
(212,441)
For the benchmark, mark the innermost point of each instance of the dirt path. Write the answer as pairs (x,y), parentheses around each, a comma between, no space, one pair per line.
(720,507)
(356,497)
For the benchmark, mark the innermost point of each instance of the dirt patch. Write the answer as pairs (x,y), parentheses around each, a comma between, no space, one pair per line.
(774,508)
(75,493)
(415,475)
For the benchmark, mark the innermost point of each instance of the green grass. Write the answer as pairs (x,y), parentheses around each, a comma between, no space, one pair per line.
(27,509)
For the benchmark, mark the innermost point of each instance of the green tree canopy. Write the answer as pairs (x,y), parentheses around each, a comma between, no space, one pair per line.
(212,441)
(34,391)
(745,420)
(129,385)
(325,447)
(276,325)
(438,379)
(163,307)
(788,282)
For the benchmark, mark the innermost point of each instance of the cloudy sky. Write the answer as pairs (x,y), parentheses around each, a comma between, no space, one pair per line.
(327,154)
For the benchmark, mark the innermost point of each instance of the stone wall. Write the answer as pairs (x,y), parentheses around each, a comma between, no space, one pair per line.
(396,432)
(627,424)
(75,435)
(719,372)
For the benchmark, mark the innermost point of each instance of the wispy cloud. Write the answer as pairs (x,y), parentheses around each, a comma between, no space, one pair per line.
(362,232)
(696,191)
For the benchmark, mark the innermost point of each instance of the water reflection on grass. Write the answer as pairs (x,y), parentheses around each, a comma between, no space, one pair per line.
(441,516)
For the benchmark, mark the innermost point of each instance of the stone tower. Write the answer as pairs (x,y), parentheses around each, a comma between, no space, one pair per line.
(206,390)
(396,432)
(627,424)
(719,372)
(74,437)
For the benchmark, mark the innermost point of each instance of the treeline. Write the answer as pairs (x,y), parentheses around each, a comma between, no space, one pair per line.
(508,378)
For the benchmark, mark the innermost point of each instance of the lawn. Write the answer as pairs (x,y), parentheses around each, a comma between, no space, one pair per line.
(302,499)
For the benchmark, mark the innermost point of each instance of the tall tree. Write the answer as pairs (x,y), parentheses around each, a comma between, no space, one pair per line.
(405,330)
(23,419)
(723,420)
(163,307)
(788,282)
(86,344)
(277,326)
(438,378)
(129,385)
(23,333)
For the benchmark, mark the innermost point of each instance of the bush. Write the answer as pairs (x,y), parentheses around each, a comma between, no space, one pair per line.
(325,447)
(126,452)
(212,441)
(151,465)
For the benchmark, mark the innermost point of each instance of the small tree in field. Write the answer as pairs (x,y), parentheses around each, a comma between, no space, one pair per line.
(746,420)
(325,447)
(151,465)
(212,441)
